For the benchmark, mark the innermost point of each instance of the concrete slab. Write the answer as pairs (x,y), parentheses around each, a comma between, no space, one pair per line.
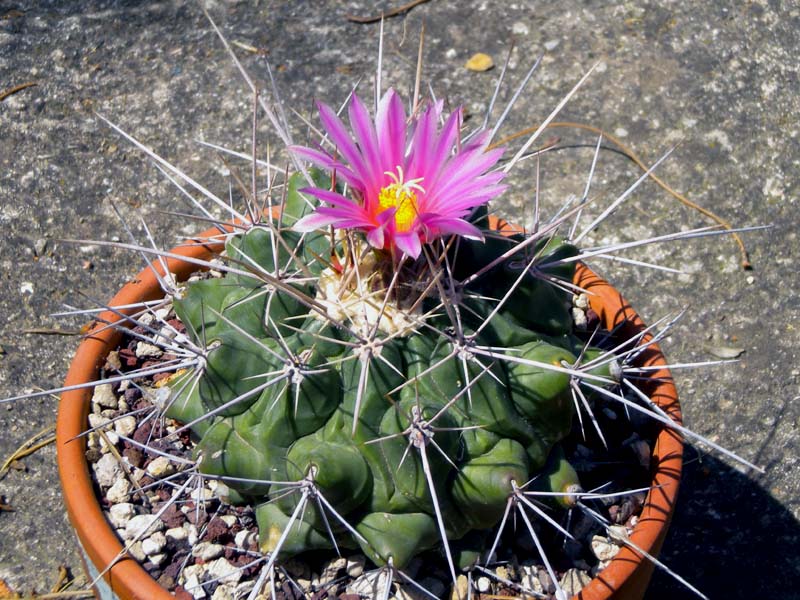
(720,78)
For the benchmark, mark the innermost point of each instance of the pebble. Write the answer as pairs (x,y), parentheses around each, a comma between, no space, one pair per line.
(119,492)
(574,581)
(202,495)
(97,421)
(192,585)
(484,584)
(618,532)
(603,548)
(224,571)
(244,538)
(139,525)
(579,318)
(145,350)
(157,559)
(107,470)
(113,440)
(125,426)
(177,534)
(39,246)
(160,466)
(154,544)
(120,514)
(530,579)
(192,533)
(519,28)
(355,565)
(243,589)
(224,592)
(371,584)
(104,396)
(461,589)
(548,585)
(207,551)
(229,520)
(135,550)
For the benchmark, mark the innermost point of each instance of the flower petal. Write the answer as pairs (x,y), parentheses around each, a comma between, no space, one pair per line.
(408,243)
(327,162)
(390,122)
(367,141)
(440,226)
(315,220)
(343,142)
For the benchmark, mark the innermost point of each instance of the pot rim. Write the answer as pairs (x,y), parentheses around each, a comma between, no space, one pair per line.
(628,573)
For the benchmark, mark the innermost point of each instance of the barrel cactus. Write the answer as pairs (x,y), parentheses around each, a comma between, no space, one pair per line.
(380,368)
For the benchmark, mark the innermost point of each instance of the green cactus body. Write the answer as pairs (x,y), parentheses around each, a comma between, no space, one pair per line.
(293,398)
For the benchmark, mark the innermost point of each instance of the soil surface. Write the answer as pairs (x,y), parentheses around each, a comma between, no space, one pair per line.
(720,79)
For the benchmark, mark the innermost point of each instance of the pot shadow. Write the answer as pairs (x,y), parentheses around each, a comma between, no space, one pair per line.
(729,538)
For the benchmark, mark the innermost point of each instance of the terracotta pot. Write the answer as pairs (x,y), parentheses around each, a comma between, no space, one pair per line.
(625,578)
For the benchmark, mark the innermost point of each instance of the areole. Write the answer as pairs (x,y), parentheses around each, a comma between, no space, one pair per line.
(626,577)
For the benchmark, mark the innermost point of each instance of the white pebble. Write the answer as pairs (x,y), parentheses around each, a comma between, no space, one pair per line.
(135,550)
(603,548)
(120,514)
(113,440)
(177,534)
(243,589)
(192,585)
(530,579)
(574,581)
(579,318)
(355,566)
(125,426)
(371,585)
(157,559)
(224,592)
(484,585)
(551,45)
(119,492)
(107,470)
(201,495)
(193,535)
(243,538)
(160,466)
(104,396)
(145,350)
(207,551)
(139,525)
(229,520)
(224,571)
(461,589)
(519,28)
(154,544)
(97,421)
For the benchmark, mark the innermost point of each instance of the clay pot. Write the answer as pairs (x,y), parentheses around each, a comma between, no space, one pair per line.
(626,578)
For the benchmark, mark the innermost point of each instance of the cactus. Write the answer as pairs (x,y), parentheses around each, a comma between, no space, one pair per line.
(400,391)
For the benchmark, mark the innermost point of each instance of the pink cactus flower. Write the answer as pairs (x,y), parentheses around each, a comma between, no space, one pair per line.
(410,182)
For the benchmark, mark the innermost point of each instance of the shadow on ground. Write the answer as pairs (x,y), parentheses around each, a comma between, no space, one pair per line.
(729,538)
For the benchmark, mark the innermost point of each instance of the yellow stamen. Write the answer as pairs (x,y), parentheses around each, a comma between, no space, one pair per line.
(401,195)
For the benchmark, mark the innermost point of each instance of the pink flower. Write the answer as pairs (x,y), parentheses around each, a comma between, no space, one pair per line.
(410,182)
